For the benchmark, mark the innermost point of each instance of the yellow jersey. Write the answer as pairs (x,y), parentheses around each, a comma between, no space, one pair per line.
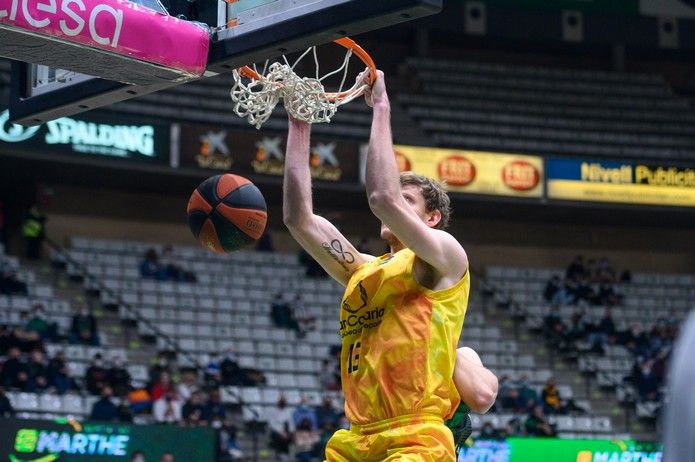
(399,342)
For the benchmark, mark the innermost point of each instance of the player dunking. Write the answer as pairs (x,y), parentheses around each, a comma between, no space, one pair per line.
(401,314)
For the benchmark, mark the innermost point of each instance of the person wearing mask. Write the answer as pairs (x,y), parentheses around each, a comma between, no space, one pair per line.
(84,328)
(14,371)
(305,412)
(95,377)
(137,456)
(36,373)
(537,424)
(162,387)
(167,409)
(187,386)
(118,377)
(281,427)
(326,414)
(214,411)
(305,440)
(161,365)
(551,397)
(104,409)
(192,411)
(39,324)
(57,374)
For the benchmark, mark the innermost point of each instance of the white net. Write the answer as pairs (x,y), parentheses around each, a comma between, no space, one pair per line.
(304,98)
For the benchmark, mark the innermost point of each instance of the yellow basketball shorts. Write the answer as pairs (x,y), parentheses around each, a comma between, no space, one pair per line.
(411,438)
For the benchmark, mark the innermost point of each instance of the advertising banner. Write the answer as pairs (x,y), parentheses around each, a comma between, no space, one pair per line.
(68,440)
(596,6)
(475,172)
(622,182)
(246,152)
(561,450)
(89,136)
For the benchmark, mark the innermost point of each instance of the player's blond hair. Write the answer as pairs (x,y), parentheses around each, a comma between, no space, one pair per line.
(434,193)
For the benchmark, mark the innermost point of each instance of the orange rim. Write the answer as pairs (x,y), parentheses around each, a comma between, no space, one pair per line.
(346,42)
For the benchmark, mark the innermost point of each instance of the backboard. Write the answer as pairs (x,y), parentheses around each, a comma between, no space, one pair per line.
(241,32)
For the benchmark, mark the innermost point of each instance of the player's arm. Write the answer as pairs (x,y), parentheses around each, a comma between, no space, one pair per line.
(436,247)
(314,233)
(476,384)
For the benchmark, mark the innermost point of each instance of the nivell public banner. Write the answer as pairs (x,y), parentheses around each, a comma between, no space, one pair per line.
(253,152)
(474,172)
(89,136)
(561,450)
(68,440)
(622,182)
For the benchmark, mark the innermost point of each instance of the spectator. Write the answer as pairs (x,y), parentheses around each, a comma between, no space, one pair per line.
(646,382)
(125,413)
(575,268)
(552,287)
(213,374)
(301,315)
(33,231)
(214,412)
(514,427)
(551,398)
(172,269)
(508,395)
(281,428)
(305,439)
(283,316)
(167,409)
(192,411)
(8,339)
(488,432)
(6,409)
(14,370)
(95,377)
(137,456)
(161,388)
(167,457)
(9,281)
(304,411)
(187,386)
(84,327)
(104,409)
(39,324)
(150,267)
(327,375)
(162,365)
(527,395)
(537,424)
(118,377)
(326,414)
(604,332)
(265,242)
(233,374)
(57,374)
(27,340)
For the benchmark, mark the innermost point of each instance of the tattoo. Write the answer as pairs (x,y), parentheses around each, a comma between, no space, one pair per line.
(335,250)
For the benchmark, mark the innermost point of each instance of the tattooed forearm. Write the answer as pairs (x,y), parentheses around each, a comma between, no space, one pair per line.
(335,250)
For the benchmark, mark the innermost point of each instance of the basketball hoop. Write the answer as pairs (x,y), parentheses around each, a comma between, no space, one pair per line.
(255,94)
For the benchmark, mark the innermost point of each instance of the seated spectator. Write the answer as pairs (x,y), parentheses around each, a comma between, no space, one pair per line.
(14,371)
(302,315)
(305,412)
(27,341)
(161,388)
(607,295)
(575,268)
(646,382)
(173,270)
(84,327)
(125,413)
(283,316)
(527,395)
(605,272)
(537,424)
(40,325)
(508,395)
(281,427)
(326,414)
(160,366)
(635,340)
(213,374)
(305,439)
(514,428)
(552,287)
(10,284)
(192,411)
(57,374)
(6,409)
(188,385)
(488,432)
(150,267)
(233,374)
(104,409)
(8,339)
(550,396)
(214,412)
(95,377)
(327,376)
(603,332)
(118,377)
(167,409)
(265,242)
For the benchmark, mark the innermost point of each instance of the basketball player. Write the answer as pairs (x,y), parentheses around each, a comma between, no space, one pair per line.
(401,314)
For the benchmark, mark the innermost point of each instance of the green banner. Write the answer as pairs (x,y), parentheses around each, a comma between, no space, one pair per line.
(594,6)
(561,450)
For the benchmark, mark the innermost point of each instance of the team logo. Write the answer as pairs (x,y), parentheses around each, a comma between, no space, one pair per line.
(350,302)
(214,152)
(359,315)
(269,156)
(520,175)
(324,163)
(14,133)
(456,170)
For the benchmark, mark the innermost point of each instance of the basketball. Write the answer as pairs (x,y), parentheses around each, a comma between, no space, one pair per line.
(227,212)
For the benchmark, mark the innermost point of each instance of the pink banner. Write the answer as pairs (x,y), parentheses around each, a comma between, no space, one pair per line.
(117,26)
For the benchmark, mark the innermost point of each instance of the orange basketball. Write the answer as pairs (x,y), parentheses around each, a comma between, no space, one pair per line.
(227,212)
